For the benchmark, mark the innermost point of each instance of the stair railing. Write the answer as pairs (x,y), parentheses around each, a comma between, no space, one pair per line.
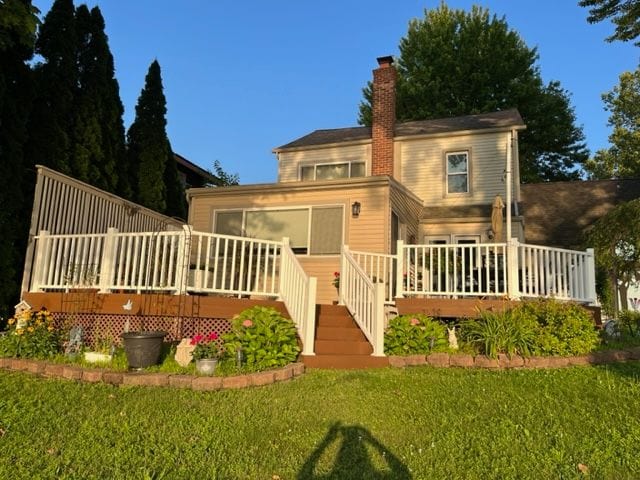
(298,292)
(364,299)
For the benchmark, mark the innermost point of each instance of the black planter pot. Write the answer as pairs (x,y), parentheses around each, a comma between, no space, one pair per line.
(143,348)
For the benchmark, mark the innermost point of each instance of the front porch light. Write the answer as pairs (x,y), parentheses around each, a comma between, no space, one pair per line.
(355,209)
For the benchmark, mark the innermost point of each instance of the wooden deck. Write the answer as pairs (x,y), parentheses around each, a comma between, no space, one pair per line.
(195,306)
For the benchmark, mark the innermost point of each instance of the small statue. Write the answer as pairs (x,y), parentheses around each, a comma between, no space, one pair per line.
(73,346)
(453,340)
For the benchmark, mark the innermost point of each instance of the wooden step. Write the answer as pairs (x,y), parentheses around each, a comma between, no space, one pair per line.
(332,320)
(340,333)
(344,361)
(324,309)
(342,347)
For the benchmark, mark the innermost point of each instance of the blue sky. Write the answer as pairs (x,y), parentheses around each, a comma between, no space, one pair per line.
(242,77)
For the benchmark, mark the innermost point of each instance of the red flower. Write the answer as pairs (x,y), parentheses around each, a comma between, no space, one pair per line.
(212,336)
(197,339)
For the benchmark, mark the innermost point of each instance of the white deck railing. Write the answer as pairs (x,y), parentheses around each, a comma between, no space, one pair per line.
(454,269)
(364,299)
(233,265)
(379,267)
(554,272)
(298,292)
(177,261)
(512,270)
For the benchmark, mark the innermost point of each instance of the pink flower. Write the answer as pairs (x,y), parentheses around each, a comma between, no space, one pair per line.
(197,339)
(414,321)
(247,323)
(212,336)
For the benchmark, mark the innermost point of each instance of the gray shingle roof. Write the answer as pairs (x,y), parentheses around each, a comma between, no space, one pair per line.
(558,214)
(505,118)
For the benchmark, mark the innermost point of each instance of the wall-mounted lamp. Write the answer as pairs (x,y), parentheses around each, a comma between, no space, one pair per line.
(355,209)
(490,233)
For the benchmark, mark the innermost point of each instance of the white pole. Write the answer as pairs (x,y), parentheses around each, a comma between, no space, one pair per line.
(509,183)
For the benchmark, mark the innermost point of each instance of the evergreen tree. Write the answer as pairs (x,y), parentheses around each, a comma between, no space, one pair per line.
(51,121)
(454,63)
(148,146)
(18,22)
(98,135)
(176,198)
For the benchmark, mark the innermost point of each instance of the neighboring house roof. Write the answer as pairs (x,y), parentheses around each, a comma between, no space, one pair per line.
(558,213)
(195,176)
(502,119)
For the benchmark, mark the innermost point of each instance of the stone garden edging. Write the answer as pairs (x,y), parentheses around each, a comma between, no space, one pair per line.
(193,382)
(503,361)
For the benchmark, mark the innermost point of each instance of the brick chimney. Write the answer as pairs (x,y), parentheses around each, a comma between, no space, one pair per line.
(383,117)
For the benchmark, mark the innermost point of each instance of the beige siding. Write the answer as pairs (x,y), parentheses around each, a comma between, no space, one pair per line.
(289,162)
(368,232)
(408,208)
(452,228)
(423,167)
(323,269)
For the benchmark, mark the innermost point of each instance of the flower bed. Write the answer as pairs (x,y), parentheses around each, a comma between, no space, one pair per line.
(95,375)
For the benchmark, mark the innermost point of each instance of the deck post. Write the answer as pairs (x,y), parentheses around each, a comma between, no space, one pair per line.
(513,290)
(378,320)
(107,263)
(590,277)
(182,260)
(310,320)
(344,250)
(41,246)
(399,293)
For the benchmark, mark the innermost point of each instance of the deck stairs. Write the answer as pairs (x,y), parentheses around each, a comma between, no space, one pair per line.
(339,342)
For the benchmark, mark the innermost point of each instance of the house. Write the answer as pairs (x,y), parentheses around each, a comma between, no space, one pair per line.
(191,175)
(431,181)
(392,214)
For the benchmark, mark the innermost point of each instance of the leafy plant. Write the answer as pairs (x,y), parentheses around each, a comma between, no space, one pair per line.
(265,337)
(414,334)
(336,279)
(500,332)
(206,346)
(629,322)
(30,335)
(563,328)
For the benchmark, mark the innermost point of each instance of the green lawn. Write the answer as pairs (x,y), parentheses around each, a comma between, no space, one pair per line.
(418,423)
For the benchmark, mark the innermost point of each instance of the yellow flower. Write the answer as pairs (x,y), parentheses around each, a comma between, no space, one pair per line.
(50,328)
(30,329)
(11,321)
(19,331)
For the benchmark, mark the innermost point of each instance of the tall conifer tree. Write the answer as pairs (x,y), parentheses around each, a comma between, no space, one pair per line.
(18,22)
(51,121)
(98,140)
(147,143)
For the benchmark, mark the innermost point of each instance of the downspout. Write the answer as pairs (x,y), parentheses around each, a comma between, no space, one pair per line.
(509,181)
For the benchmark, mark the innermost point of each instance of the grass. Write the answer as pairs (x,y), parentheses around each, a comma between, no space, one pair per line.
(416,423)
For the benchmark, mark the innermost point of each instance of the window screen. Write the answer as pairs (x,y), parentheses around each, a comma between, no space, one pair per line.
(275,224)
(229,223)
(457,172)
(326,230)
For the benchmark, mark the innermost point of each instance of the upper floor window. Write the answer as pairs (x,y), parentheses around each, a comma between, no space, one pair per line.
(332,171)
(458,172)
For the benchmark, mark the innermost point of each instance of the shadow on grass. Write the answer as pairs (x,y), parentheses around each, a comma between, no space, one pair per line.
(630,369)
(359,455)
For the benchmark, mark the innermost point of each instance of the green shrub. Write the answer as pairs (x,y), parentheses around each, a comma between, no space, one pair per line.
(30,335)
(266,338)
(629,323)
(563,328)
(414,334)
(500,332)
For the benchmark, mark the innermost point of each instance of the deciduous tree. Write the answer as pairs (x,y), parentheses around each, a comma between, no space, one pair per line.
(622,159)
(625,14)
(454,62)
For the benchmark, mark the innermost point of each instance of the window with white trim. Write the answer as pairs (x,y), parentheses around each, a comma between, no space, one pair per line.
(457,172)
(311,230)
(332,171)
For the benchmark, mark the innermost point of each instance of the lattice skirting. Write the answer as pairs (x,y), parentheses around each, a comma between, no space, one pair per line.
(98,325)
